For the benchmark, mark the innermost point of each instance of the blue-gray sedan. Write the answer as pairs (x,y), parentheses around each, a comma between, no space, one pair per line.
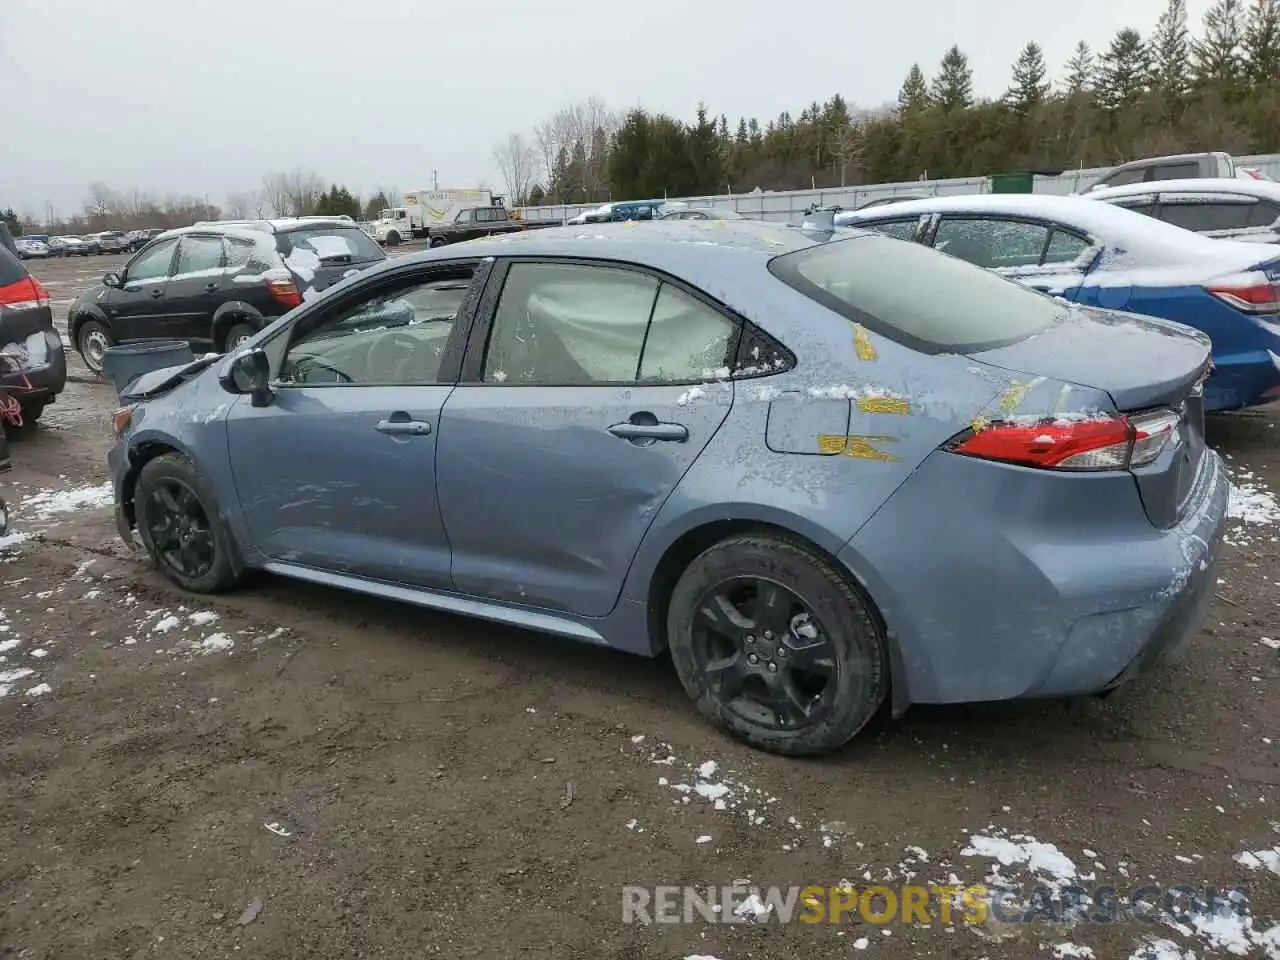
(822,469)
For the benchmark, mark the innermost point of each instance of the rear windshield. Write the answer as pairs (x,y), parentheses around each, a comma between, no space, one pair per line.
(927,300)
(335,242)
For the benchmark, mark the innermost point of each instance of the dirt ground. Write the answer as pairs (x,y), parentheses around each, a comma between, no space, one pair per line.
(290,771)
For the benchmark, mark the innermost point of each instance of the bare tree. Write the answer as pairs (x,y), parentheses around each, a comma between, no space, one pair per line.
(275,193)
(303,189)
(517,160)
(240,206)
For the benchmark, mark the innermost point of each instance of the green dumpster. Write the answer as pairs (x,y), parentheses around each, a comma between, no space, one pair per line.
(1012,182)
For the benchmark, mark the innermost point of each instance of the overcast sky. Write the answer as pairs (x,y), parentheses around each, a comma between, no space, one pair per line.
(205,96)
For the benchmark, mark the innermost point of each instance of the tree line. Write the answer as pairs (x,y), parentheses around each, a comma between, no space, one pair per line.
(287,194)
(1170,90)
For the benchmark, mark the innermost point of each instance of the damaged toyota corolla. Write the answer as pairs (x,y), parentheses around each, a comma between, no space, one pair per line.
(822,469)
(33,363)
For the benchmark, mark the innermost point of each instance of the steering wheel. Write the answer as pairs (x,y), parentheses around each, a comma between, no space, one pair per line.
(305,364)
(391,352)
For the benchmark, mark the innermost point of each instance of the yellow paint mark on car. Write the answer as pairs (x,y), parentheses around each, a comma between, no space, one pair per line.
(978,424)
(884,405)
(1013,397)
(860,447)
(862,344)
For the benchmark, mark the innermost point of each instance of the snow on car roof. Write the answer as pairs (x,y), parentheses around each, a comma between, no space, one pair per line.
(1263,189)
(1132,241)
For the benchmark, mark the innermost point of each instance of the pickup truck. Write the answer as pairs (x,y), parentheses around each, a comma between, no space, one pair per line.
(472,223)
(1183,166)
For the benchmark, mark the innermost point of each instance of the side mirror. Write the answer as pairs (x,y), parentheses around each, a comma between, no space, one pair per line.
(249,372)
(112,280)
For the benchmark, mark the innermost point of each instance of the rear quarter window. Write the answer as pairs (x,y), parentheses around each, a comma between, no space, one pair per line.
(897,289)
(11,268)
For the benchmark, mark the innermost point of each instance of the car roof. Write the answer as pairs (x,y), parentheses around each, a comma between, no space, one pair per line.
(688,248)
(1264,189)
(256,229)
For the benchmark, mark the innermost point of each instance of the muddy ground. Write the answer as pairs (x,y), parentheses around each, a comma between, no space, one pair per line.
(293,772)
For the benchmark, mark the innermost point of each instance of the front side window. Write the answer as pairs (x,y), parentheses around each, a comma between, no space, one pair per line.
(394,338)
(198,255)
(152,264)
(1188,170)
(898,229)
(1202,216)
(579,325)
(1119,179)
(893,288)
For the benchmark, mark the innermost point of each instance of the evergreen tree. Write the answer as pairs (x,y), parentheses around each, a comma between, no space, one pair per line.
(1261,42)
(914,94)
(1217,55)
(1082,70)
(704,154)
(742,136)
(1170,53)
(1030,79)
(11,218)
(952,88)
(1124,73)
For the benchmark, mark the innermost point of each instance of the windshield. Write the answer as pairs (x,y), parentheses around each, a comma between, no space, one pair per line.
(335,244)
(892,286)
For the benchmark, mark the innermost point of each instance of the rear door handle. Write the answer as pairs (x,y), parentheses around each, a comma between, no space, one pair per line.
(403,428)
(676,432)
(158,292)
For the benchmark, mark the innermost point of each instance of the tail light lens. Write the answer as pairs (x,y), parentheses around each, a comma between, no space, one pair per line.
(1252,293)
(283,289)
(1097,443)
(24,294)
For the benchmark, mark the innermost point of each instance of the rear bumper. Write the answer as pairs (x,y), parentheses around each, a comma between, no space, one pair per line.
(998,583)
(1244,379)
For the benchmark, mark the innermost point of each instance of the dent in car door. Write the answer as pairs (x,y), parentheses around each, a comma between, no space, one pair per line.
(554,458)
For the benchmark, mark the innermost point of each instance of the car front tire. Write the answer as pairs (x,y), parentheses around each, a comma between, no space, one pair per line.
(237,335)
(776,647)
(92,342)
(180,526)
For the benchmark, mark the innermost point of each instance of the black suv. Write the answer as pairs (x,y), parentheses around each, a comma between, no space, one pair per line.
(33,364)
(216,284)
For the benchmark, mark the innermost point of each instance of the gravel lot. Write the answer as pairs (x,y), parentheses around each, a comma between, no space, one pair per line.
(291,771)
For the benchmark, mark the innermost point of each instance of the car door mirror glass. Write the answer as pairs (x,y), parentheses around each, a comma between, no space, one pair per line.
(249,373)
(112,280)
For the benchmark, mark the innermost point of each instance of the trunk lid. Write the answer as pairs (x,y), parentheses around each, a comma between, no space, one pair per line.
(1142,364)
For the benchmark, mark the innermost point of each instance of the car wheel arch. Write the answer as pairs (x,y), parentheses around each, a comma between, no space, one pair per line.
(231,313)
(681,551)
(80,318)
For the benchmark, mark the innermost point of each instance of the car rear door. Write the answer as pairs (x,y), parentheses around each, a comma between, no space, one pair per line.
(584,401)
(196,288)
(135,310)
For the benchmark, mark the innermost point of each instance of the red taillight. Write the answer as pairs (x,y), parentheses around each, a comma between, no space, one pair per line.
(1095,443)
(24,294)
(284,290)
(1250,293)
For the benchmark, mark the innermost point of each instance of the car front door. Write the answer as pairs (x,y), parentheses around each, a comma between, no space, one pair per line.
(588,391)
(337,472)
(136,308)
(196,287)
(1049,257)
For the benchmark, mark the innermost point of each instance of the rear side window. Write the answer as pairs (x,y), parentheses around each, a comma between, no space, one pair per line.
(334,244)
(11,268)
(893,288)
(1202,216)
(1177,171)
(1144,205)
(1132,175)
(898,229)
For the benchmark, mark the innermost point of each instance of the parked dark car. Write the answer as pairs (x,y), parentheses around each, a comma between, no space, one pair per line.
(33,363)
(474,223)
(112,241)
(135,240)
(216,284)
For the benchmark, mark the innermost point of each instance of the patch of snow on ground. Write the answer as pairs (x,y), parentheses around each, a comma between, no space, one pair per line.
(47,503)
(1044,860)
(9,677)
(1252,504)
(1157,948)
(10,540)
(1260,859)
(216,642)
(202,618)
(39,690)
(1063,950)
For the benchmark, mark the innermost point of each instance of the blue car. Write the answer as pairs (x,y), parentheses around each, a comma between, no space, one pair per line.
(1094,253)
(821,469)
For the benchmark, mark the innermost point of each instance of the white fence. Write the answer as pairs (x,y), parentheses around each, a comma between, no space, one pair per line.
(789,205)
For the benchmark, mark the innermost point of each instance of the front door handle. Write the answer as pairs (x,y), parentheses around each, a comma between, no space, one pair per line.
(211,287)
(157,293)
(403,428)
(675,432)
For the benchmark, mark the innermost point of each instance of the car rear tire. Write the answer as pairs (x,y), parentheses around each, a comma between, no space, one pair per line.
(435,241)
(180,527)
(32,409)
(775,646)
(92,342)
(393,239)
(237,335)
